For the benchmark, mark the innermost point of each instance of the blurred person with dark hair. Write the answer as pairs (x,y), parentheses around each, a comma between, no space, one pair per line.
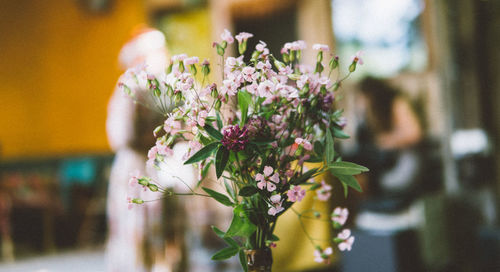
(387,138)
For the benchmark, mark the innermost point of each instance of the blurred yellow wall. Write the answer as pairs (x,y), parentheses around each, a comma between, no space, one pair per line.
(58,67)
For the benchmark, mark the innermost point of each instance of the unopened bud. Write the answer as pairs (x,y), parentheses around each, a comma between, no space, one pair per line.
(286,57)
(334,62)
(319,57)
(169,68)
(314,102)
(319,67)
(170,91)
(218,104)
(137,201)
(178,98)
(220,49)
(157,130)
(181,67)
(300,109)
(193,69)
(153,187)
(157,92)
(352,67)
(242,47)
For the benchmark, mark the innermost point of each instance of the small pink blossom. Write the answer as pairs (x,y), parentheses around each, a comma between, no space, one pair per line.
(321,47)
(323,192)
(357,58)
(296,194)
(346,240)
(202,116)
(261,46)
(243,36)
(266,180)
(171,125)
(227,37)
(134,178)
(340,215)
(323,256)
(163,149)
(276,205)
(305,143)
(191,61)
(179,57)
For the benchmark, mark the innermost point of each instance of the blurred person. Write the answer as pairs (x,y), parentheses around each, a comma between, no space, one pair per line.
(387,138)
(136,239)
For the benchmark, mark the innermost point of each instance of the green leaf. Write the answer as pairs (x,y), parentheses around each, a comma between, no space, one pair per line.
(346,168)
(217,231)
(338,133)
(225,253)
(248,190)
(204,172)
(221,159)
(349,181)
(240,225)
(244,100)
(314,159)
(307,175)
(229,190)
(213,132)
(330,152)
(219,121)
(203,153)
(230,241)
(274,238)
(218,196)
(319,148)
(243,260)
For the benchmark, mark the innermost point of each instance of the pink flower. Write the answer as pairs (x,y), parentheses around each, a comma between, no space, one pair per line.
(134,178)
(275,205)
(227,37)
(305,143)
(202,116)
(323,256)
(266,180)
(357,58)
(261,46)
(191,61)
(266,88)
(163,149)
(321,47)
(296,194)
(323,192)
(171,126)
(340,215)
(243,36)
(346,240)
(179,57)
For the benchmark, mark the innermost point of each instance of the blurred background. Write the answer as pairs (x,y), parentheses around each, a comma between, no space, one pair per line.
(59,67)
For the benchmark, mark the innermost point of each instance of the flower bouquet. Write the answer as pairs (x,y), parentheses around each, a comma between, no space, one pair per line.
(258,127)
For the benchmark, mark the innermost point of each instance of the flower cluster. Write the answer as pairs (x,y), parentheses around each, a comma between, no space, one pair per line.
(268,118)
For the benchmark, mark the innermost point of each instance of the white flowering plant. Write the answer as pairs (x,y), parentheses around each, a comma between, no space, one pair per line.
(258,127)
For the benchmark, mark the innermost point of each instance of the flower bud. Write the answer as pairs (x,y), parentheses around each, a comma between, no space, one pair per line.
(255,55)
(220,49)
(319,57)
(314,101)
(153,187)
(169,68)
(178,98)
(334,62)
(298,54)
(170,91)
(317,215)
(181,67)
(224,44)
(286,57)
(157,92)
(300,109)
(292,55)
(143,182)
(157,130)
(170,140)
(352,67)
(319,67)
(205,67)
(214,93)
(137,201)
(193,69)
(218,104)
(242,47)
